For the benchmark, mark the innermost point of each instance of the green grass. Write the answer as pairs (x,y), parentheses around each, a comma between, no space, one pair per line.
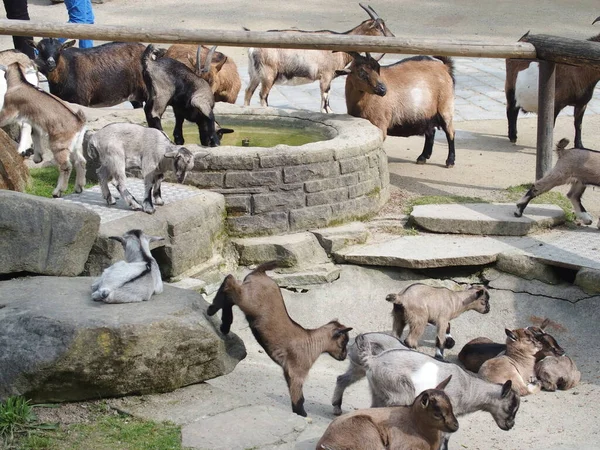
(439,199)
(107,430)
(16,415)
(514,193)
(43,180)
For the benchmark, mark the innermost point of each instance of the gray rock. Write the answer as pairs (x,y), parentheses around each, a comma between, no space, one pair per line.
(318,274)
(44,236)
(56,344)
(526,266)
(485,218)
(588,280)
(335,238)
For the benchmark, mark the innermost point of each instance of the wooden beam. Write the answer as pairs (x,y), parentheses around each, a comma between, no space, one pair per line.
(406,45)
(545,122)
(561,50)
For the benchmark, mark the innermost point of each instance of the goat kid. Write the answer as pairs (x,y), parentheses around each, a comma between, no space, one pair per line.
(136,278)
(412,97)
(557,372)
(49,117)
(420,304)
(578,166)
(269,66)
(30,73)
(105,75)
(517,364)
(170,82)
(122,146)
(222,73)
(479,350)
(294,348)
(420,426)
(574,87)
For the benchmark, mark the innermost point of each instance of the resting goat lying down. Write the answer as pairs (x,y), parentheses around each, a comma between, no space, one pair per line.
(132,280)
(293,347)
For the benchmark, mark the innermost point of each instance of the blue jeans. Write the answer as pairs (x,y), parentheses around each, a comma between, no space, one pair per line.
(80,11)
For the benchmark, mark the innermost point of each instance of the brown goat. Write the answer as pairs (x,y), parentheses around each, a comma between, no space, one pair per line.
(419,426)
(577,166)
(420,304)
(48,116)
(294,348)
(557,372)
(223,76)
(517,364)
(479,350)
(412,97)
(269,66)
(574,87)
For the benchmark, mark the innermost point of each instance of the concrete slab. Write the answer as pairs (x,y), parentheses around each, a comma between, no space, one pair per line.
(335,238)
(321,273)
(485,218)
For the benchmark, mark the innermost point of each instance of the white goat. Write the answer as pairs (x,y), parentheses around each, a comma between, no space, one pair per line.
(132,280)
(122,146)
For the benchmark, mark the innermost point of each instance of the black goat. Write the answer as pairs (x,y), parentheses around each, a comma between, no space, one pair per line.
(105,75)
(170,82)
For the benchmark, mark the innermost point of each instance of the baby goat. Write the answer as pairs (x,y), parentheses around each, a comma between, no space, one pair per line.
(294,348)
(65,129)
(517,364)
(574,87)
(409,98)
(221,74)
(132,280)
(420,426)
(269,66)
(30,72)
(479,350)
(557,372)
(420,304)
(104,75)
(170,82)
(578,166)
(122,146)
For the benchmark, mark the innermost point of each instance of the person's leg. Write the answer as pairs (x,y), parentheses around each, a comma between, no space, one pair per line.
(17,10)
(80,11)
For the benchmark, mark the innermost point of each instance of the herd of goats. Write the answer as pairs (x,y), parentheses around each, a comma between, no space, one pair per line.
(414,96)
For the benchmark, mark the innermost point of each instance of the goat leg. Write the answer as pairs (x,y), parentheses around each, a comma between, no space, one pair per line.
(149,181)
(416,331)
(64,166)
(449,130)
(428,147)
(178,128)
(440,340)
(574,195)
(512,113)
(552,179)
(295,383)
(449,342)
(578,112)
(351,376)
(130,199)
(156,193)
(25,140)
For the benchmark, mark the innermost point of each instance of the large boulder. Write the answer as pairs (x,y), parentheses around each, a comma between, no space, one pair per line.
(44,236)
(14,174)
(56,344)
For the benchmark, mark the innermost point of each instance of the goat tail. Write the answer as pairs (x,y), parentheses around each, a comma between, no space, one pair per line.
(449,63)
(262,268)
(561,146)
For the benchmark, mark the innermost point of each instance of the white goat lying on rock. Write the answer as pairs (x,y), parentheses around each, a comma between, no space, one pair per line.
(132,280)
(122,146)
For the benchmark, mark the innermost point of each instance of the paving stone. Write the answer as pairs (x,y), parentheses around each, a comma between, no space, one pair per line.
(317,274)
(335,238)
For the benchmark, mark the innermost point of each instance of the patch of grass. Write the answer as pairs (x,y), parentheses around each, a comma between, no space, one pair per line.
(439,199)
(43,180)
(16,414)
(107,431)
(514,193)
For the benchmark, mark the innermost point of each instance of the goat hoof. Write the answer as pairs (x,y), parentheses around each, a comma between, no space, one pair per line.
(337,411)
(449,165)
(421,161)
(37,159)
(439,357)
(449,343)
(159,201)
(150,210)
(78,189)
(513,139)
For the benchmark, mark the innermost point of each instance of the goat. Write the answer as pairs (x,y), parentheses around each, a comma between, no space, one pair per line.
(517,364)
(420,304)
(411,97)
(578,166)
(134,280)
(574,87)
(294,348)
(420,426)
(49,116)
(479,350)
(269,66)
(378,342)
(121,146)
(222,73)
(105,75)
(170,82)
(396,376)
(30,71)
(557,372)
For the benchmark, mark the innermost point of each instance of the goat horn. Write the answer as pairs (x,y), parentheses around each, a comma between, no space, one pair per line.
(209,57)
(198,56)
(369,11)
(597,19)
(374,13)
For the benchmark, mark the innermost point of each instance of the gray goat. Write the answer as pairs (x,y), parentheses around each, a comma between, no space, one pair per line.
(122,146)
(136,278)
(269,66)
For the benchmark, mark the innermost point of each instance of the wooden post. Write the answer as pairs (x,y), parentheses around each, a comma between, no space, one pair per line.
(545,123)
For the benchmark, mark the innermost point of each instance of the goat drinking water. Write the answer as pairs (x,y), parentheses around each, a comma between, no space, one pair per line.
(294,348)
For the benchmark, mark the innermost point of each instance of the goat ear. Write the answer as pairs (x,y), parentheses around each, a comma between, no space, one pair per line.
(544,324)
(342,72)
(68,44)
(171,154)
(32,43)
(506,387)
(341,331)
(118,239)
(444,383)
(425,400)
(510,334)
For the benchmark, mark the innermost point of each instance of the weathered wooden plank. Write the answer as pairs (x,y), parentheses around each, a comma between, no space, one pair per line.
(562,50)
(231,38)
(545,122)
